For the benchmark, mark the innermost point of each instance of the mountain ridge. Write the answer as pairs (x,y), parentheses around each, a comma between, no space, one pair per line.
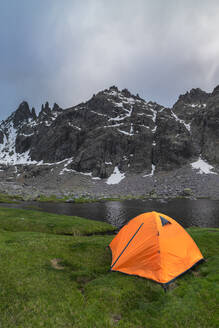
(115,129)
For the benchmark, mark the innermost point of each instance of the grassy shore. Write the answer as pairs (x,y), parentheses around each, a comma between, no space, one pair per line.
(84,199)
(16,220)
(48,279)
(6,198)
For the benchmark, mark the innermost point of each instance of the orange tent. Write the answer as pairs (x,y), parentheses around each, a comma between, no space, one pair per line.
(154,246)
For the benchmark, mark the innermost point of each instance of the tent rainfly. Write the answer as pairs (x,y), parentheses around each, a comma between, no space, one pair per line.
(154,246)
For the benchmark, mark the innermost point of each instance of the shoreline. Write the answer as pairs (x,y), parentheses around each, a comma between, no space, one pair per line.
(10,199)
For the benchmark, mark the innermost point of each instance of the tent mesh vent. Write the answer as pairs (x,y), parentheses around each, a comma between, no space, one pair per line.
(164,221)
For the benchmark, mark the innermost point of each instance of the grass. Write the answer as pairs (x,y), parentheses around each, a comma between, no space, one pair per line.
(51,198)
(52,280)
(35,221)
(55,199)
(6,198)
(83,199)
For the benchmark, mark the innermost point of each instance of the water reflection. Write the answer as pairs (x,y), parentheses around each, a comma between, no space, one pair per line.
(116,213)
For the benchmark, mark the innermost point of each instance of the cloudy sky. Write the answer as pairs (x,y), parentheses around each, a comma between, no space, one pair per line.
(64,51)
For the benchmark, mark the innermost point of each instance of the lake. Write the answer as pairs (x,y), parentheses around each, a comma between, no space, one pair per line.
(201,212)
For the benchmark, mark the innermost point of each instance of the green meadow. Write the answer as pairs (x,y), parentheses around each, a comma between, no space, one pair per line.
(54,272)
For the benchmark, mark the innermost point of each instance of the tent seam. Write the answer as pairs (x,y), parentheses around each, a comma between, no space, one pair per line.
(126,246)
(158,241)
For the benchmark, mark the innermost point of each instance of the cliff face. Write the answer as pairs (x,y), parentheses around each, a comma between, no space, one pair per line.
(115,128)
(180,133)
(210,147)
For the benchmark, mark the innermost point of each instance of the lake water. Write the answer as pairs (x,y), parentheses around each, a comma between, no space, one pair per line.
(201,213)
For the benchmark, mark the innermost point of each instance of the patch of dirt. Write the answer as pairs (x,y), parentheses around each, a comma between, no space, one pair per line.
(81,290)
(172,285)
(116,318)
(213,230)
(196,273)
(82,281)
(55,263)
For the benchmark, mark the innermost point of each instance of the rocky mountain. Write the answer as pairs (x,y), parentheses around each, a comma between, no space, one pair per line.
(115,130)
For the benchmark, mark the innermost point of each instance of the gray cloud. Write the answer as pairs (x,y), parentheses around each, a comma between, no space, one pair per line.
(65,51)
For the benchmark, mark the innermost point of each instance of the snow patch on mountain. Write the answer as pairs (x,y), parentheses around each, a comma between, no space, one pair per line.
(152,172)
(203,167)
(115,177)
(120,118)
(187,125)
(8,154)
(130,133)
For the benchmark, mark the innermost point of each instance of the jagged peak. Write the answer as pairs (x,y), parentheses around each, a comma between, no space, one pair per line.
(24,103)
(45,110)
(113,87)
(114,91)
(127,93)
(22,114)
(47,115)
(33,112)
(196,91)
(195,95)
(56,107)
(45,107)
(24,106)
(215,91)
